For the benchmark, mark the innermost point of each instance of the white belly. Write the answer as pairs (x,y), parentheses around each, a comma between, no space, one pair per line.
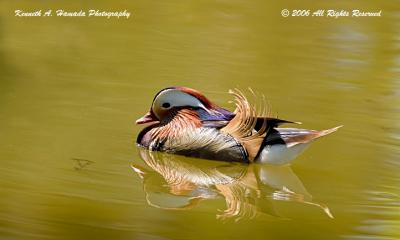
(280,154)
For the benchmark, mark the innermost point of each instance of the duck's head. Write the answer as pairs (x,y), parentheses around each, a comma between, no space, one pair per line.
(171,99)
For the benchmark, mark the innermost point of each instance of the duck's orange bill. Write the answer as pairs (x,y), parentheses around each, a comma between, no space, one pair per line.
(148,117)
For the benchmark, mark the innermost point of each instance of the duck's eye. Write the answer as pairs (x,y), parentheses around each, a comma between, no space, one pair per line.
(166,105)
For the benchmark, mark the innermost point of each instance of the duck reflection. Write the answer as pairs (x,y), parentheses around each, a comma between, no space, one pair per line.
(179,183)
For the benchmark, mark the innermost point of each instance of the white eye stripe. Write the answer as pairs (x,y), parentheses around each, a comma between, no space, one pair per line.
(175,98)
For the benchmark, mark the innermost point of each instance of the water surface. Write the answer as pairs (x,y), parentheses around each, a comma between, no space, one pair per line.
(71,88)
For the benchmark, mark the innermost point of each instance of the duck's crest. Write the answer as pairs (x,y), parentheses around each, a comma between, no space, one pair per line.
(243,125)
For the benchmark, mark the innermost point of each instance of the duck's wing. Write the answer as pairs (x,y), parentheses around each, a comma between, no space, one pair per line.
(270,121)
(282,145)
(244,128)
(215,124)
(294,136)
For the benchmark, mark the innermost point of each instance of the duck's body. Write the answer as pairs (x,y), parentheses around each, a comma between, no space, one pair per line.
(201,142)
(187,123)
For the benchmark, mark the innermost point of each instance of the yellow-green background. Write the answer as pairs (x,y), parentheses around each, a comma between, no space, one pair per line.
(72,88)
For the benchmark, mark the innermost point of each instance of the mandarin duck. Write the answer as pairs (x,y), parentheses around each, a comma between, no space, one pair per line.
(183,121)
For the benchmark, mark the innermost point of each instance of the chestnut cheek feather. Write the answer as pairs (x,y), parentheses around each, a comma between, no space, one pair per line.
(181,121)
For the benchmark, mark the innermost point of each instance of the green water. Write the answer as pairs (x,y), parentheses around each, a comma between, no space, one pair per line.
(71,89)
